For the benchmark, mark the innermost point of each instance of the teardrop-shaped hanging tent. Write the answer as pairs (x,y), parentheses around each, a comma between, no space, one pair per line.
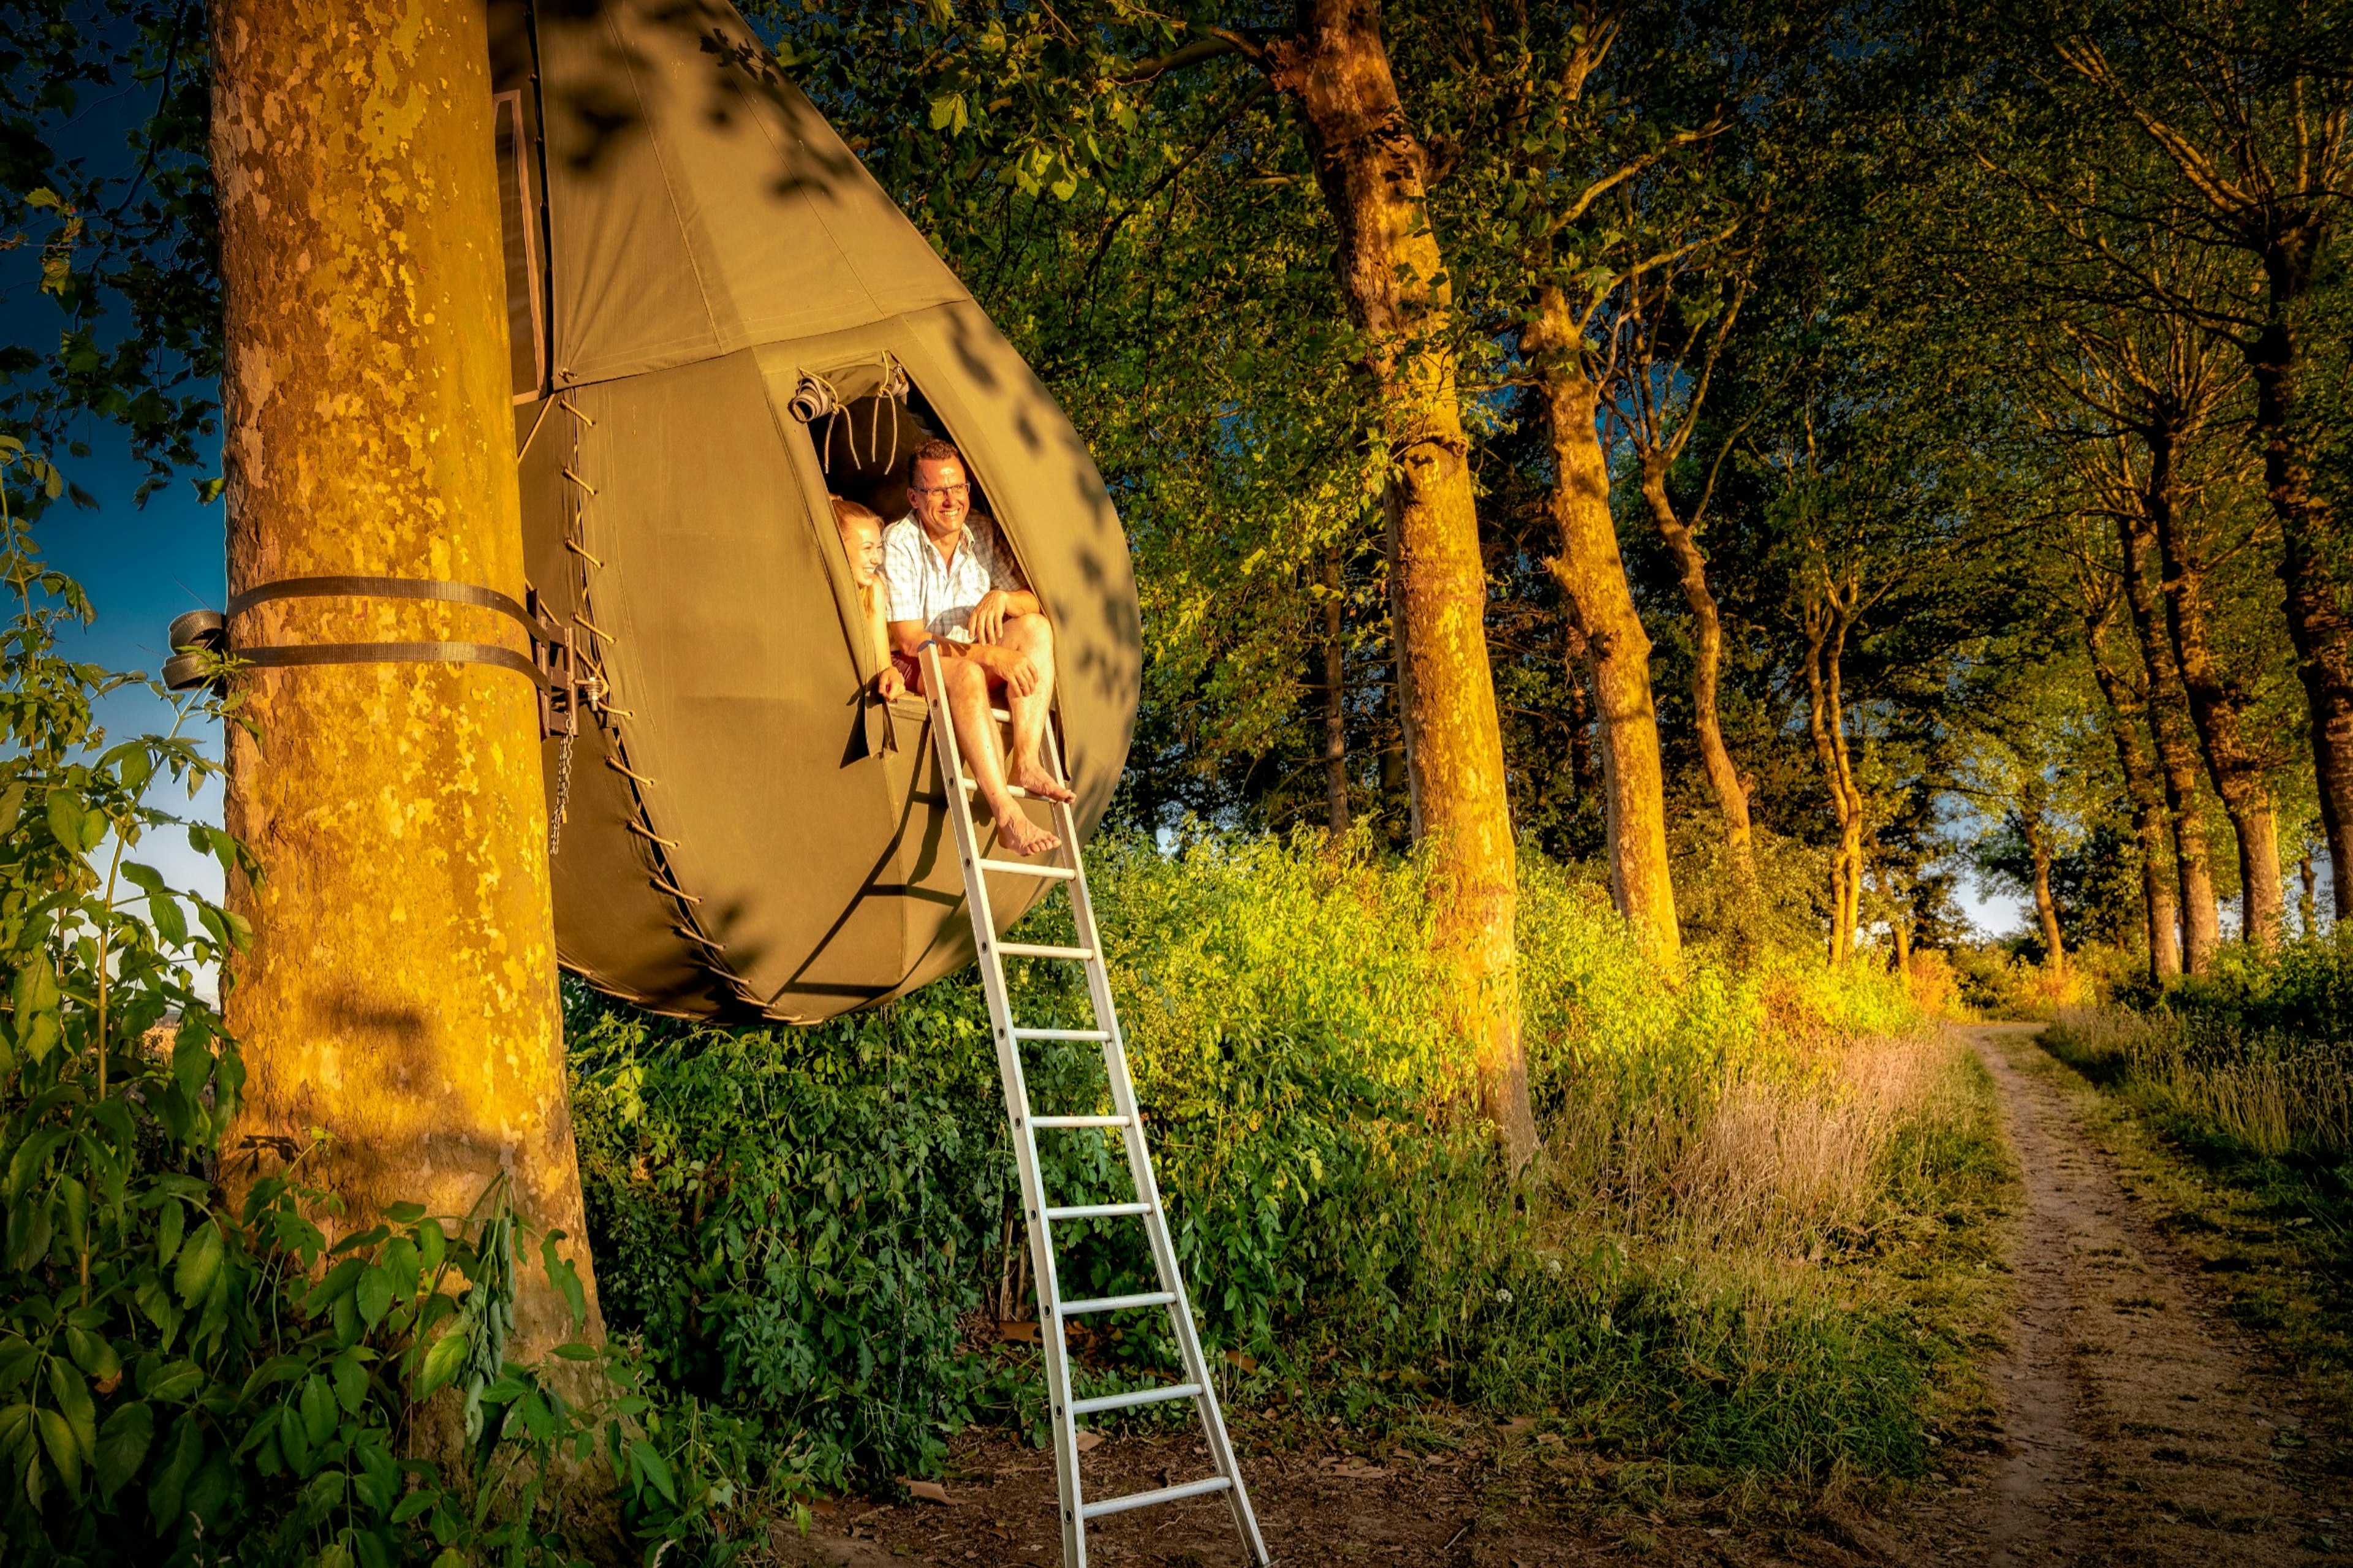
(717,317)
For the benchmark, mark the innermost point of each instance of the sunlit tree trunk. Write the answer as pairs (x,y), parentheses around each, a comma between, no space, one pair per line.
(1724,781)
(2125,716)
(2317,623)
(1827,616)
(2215,701)
(400,995)
(1371,170)
(2046,908)
(2176,755)
(1592,574)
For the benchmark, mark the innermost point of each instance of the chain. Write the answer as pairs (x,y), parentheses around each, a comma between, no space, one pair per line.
(562,796)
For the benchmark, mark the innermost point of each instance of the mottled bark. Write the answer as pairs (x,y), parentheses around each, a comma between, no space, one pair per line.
(2176,754)
(400,993)
(1593,575)
(2307,909)
(1372,171)
(2128,715)
(2216,703)
(1336,703)
(1724,781)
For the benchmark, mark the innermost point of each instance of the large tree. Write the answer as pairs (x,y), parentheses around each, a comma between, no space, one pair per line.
(399,998)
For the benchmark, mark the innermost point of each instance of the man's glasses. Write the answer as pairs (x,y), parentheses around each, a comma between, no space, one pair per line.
(965,490)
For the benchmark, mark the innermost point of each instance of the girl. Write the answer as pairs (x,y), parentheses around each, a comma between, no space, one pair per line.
(861,540)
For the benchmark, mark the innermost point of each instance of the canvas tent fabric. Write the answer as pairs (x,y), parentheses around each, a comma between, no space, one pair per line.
(717,317)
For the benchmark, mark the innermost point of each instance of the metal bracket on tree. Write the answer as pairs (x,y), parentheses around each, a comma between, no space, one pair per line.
(566,683)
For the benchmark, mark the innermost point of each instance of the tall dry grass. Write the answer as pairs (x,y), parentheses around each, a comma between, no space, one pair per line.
(2274,1092)
(1780,1162)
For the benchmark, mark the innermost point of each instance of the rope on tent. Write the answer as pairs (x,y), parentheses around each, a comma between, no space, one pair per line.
(583,552)
(633,826)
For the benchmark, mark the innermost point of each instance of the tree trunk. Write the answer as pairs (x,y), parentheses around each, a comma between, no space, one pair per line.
(2046,909)
(1707,663)
(1825,625)
(400,993)
(1577,671)
(2177,755)
(2307,908)
(1901,925)
(1592,574)
(2215,702)
(1371,170)
(2125,715)
(2318,625)
(1335,704)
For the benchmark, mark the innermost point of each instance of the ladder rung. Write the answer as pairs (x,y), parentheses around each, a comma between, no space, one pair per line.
(1146,1499)
(1160,1395)
(1059,873)
(1078,1121)
(1098,1211)
(1061,1034)
(1119,1303)
(1000,715)
(1016,791)
(1040,950)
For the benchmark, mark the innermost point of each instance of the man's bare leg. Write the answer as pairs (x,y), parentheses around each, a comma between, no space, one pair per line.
(1032,636)
(977,735)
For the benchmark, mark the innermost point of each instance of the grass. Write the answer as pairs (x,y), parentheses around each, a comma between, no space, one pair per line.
(1762,1241)
(2238,1138)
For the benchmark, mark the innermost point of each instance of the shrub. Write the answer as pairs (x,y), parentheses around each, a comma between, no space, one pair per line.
(818,1226)
(191,1375)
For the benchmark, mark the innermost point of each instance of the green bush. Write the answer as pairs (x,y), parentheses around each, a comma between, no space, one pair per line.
(814,1225)
(189,1376)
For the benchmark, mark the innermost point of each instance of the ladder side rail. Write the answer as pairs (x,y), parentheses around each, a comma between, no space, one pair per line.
(950,758)
(1148,1187)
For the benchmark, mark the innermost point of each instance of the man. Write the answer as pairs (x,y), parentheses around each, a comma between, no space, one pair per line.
(957,587)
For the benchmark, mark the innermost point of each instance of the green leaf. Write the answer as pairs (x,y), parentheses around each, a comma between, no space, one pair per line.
(200,1261)
(351,1382)
(373,1297)
(64,815)
(176,1380)
(318,1409)
(415,1503)
(12,807)
(445,1355)
(182,1450)
(92,1353)
(122,1447)
(170,1224)
(656,1469)
(65,1453)
(74,1403)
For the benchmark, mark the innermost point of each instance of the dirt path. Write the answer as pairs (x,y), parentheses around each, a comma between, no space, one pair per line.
(2137,1427)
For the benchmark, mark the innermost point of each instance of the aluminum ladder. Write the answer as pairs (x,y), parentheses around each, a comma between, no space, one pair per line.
(1053,1312)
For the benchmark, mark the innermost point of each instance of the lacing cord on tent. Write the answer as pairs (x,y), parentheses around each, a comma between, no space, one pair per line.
(664,879)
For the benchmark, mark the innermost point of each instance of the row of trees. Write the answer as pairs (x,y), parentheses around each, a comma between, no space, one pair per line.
(1677,430)
(1600,417)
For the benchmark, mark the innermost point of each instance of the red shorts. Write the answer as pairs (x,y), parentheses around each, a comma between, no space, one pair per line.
(910,670)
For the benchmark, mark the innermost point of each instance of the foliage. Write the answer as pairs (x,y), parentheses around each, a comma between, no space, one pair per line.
(817,1227)
(193,1369)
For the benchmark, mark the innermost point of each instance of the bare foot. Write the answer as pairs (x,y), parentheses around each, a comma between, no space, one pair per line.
(1018,834)
(1040,783)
